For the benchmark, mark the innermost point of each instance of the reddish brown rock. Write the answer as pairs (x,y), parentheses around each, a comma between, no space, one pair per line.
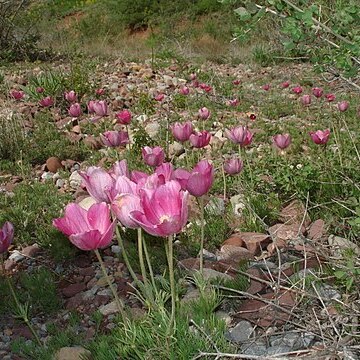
(234,240)
(255,285)
(74,302)
(254,242)
(235,254)
(294,213)
(53,164)
(92,142)
(88,271)
(278,244)
(73,289)
(286,232)
(317,230)
(31,250)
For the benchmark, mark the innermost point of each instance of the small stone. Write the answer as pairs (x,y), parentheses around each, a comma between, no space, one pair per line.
(16,256)
(103,281)
(294,213)
(176,149)
(75,180)
(73,353)
(53,164)
(73,289)
(238,204)
(234,254)
(108,309)
(207,255)
(60,183)
(340,244)
(280,349)
(152,129)
(31,251)
(254,349)
(210,274)
(192,295)
(223,315)
(316,230)
(215,206)
(47,175)
(116,249)
(241,332)
(327,292)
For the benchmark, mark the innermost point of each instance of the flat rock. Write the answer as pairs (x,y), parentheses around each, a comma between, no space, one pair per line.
(254,242)
(340,244)
(241,332)
(235,254)
(73,289)
(109,309)
(286,232)
(31,250)
(73,353)
(316,230)
(75,180)
(211,274)
(294,213)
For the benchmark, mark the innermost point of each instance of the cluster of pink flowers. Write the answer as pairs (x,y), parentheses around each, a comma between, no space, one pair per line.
(156,202)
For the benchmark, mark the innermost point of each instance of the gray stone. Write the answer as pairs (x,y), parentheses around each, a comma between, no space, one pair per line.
(211,274)
(255,349)
(108,309)
(327,292)
(192,294)
(292,339)
(116,249)
(72,353)
(279,349)
(209,255)
(60,183)
(241,332)
(340,244)
(215,206)
(238,204)
(152,129)
(223,315)
(75,180)
(47,175)
(16,256)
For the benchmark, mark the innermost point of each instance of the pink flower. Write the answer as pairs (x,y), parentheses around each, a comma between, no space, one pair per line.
(236,82)
(266,87)
(239,135)
(39,90)
(234,102)
(98,183)
(114,138)
(306,100)
(330,97)
(207,88)
(100,108)
(343,105)
(70,96)
(200,139)
(252,117)
(164,211)
(87,229)
(17,94)
(282,141)
(285,84)
(123,117)
(192,76)
(138,176)
(204,113)
(123,185)
(75,110)
(297,90)
(6,236)
(159,97)
(184,90)
(317,92)
(164,172)
(195,84)
(153,156)
(122,207)
(90,106)
(100,91)
(201,178)
(233,166)
(120,168)
(182,176)
(182,131)
(47,101)
(320,137)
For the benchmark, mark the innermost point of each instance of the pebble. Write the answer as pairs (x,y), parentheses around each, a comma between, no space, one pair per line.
(327,292)
(75,180)
(116,249)
(209,255)
(241,332)
(16,256)
(47,175)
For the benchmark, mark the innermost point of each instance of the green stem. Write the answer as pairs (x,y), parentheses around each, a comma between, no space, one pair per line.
(141,256)
(201,202)
(119,303)
(224,179)
(147,257)
(172,282)
(126,259)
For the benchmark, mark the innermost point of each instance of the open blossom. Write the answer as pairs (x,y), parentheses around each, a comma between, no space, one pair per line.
(164,211)
(100,108)
(153,156)
(207,88)
(233,166)
(282,141)
(6,236)
(90,106)
(201,178)
(285,84)
(159,97)
(317,92)
(204,113)
(239,135)
(297,90)
(47,101)
(306,100)
(87,229)
(120,168)
(182,131)
(234,102)
(320,137)
(343,105)
(330,97)
(75,110)
(70,96)
(123,205)
(17,94)
(114,138)
(200,139)
(184,90)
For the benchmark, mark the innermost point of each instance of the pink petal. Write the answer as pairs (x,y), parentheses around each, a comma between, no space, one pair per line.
(99,217)
(88,240)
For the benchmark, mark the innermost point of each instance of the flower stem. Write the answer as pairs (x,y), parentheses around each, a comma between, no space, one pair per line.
(119,303)
(126,259)
(201,202)
(224,179)
(172,282)
(147,257)
(141,256)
